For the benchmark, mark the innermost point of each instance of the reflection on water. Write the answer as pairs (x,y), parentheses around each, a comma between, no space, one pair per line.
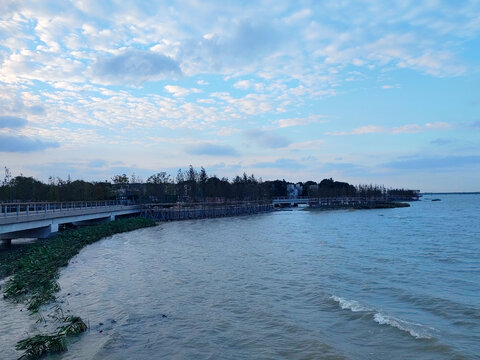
(398,283)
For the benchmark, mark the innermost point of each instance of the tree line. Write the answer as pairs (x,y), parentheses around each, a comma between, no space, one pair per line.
(190,185)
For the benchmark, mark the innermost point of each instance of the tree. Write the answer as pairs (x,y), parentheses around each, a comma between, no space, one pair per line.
(28,189)
(192,174)
(331,188)
(134,179)
(158,185)
(202,176)
(159,178)
(192,186)
(180,178)
(120,179)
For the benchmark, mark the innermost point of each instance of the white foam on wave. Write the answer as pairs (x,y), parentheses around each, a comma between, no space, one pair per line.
(416,330)
(352,305)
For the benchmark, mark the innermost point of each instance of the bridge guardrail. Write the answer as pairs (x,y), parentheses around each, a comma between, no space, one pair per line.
(21,209)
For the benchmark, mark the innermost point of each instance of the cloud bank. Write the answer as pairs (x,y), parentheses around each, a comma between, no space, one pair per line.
(211,150)
(266,139)
(12,122)
(22,144)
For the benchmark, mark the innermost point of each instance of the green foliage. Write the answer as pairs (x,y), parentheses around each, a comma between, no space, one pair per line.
(120,179)
(21,188)
(74,326)
(40,345)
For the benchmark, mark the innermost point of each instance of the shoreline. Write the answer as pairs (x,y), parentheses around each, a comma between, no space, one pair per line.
(34,271)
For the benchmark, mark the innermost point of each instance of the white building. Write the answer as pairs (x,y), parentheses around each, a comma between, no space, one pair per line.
(294,190)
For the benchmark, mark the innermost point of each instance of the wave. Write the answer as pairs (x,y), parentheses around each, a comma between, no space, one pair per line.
(416,330)
(352,305)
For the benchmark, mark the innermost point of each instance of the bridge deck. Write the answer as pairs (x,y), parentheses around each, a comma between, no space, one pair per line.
(23,216)
(43,219)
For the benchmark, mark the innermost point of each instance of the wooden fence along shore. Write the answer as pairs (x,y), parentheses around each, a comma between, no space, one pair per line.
(204,211)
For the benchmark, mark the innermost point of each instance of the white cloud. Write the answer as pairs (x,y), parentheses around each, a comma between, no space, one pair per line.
(288,122)
(368,129)
(243,84)
(414,128)
(300,15)
(408,128)
(227,131)
(307,145)
(179,91)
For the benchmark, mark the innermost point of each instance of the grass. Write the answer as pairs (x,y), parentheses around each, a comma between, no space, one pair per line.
(35,271)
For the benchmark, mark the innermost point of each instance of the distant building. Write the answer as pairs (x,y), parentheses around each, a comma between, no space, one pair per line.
(130,192)
(294,190)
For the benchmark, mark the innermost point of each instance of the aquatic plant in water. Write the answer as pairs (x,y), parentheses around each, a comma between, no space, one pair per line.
(74,326)
(39,345)
(42,344)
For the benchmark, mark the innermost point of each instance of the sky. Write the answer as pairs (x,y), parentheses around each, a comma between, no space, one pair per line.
(382,92)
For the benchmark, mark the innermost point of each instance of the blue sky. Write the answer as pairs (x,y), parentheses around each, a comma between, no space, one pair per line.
(384,92)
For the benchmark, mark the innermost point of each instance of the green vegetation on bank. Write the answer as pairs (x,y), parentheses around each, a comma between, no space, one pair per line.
(35,271)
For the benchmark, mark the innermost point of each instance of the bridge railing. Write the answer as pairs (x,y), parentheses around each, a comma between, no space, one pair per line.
(27,208)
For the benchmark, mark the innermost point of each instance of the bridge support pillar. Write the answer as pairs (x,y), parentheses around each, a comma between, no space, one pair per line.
(112,217)
(53,228)
(45,232)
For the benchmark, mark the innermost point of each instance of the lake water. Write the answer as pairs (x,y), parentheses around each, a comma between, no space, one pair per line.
(370,284)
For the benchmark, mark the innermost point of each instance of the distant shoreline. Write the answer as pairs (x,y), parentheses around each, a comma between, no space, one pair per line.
(451,193)
(390,205)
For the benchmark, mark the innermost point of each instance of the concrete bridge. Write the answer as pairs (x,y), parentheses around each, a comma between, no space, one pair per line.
(41,220)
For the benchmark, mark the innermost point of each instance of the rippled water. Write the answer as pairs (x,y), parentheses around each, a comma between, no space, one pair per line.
(372,284)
